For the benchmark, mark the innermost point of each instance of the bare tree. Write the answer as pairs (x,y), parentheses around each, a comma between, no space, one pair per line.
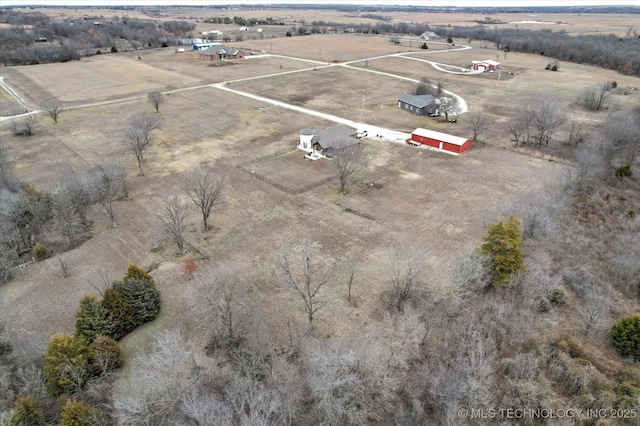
(548,118)
(306,273)
(591,311)
(576,134)
(65,215)
(25,128)
(448,105)
(205,409)
(160,381)
(64,265)
(172,212)
(477,123)
(218,305)
(595,98)
(107,189)
(155,98)
(53,108)
(350,384)
(347,163)
(406,268)
(204,187)
(138,135)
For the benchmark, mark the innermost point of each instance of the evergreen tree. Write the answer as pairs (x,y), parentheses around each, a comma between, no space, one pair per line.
(105,355)
(92,319)
(625,335)
(66,364)
(135,272)
(118,308)
(75,413)
(503,246)
(27,411)
(143,300)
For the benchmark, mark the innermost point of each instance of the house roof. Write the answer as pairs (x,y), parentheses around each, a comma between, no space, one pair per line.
(220,50)
(444,137)
(429,34)
(418,101)
(307,131)
(338,137)
(488,62)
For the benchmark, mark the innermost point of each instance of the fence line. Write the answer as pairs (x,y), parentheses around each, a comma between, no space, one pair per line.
(243,167)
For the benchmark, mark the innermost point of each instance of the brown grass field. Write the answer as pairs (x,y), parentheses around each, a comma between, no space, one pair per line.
(408,198)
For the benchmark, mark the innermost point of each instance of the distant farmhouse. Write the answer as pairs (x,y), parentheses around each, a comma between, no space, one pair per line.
(329,142)
(204,46)
(218,52)
(487,65)
(430,35)
(420,104)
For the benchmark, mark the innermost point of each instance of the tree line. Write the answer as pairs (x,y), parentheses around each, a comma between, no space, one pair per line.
(605,51)
(31,38)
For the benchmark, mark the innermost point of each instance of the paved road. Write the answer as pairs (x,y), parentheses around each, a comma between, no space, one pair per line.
(374,132)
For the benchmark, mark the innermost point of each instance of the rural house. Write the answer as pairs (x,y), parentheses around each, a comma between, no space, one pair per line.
(441,141)
(487,65)
(420,104)
(329,142)
(430,35)
(215,53)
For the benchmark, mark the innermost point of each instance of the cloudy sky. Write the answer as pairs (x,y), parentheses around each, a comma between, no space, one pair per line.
(478,3)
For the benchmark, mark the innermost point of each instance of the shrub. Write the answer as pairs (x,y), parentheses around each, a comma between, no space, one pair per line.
(624,171)
(114,50)
(39,251)
(503,246)
(66,364)
(424,46)
(190,266)
(558,296)
(625,335)
(27,411)
(164,44)
(75,413)
(93,319)
(105,355)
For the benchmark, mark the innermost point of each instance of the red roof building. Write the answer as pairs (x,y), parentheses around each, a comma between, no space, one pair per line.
(441,141)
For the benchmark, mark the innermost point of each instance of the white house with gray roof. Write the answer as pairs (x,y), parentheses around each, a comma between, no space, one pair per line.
(328,142)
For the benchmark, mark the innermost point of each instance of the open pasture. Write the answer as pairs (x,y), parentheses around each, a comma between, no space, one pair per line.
(406,197)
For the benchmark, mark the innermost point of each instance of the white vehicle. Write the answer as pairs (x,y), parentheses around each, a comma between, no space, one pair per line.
(361,134)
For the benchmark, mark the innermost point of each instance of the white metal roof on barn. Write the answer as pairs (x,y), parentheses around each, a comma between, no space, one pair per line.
(444,137)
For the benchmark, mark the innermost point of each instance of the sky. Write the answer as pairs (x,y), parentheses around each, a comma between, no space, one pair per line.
(458,3)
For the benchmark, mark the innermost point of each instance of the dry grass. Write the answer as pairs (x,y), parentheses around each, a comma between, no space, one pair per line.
(406,197)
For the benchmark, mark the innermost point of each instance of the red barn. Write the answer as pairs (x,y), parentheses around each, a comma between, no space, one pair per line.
(441,141)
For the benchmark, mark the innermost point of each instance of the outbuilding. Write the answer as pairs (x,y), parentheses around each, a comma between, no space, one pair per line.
(441,141)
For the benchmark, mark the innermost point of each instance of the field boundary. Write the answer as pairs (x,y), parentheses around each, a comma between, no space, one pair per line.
(289,190)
